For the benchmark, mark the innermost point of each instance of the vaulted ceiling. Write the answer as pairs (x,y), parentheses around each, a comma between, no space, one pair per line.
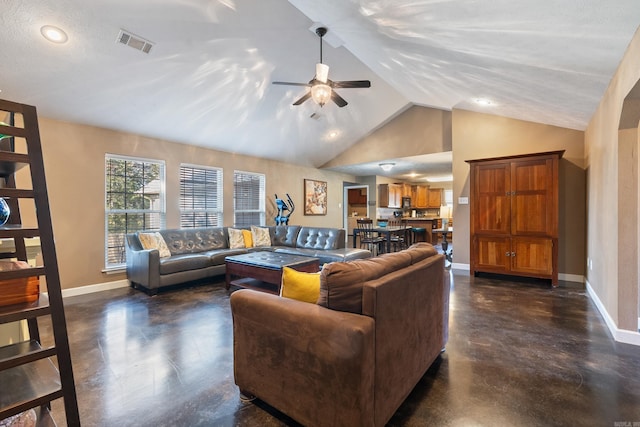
(207,79)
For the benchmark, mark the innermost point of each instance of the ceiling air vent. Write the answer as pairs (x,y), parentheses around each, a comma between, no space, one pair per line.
(134,41)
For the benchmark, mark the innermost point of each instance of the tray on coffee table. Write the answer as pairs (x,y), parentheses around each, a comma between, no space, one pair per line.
(263,270)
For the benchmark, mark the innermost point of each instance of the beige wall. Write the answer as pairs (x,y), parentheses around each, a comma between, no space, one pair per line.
(74,166)
(416,131)
(617,293)
(477,136)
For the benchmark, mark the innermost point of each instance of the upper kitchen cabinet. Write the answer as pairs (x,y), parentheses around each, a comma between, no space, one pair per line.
(420,196)
(435,198)
(390,196)
(357,196)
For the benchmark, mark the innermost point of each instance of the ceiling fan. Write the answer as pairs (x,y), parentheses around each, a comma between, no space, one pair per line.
(322,88)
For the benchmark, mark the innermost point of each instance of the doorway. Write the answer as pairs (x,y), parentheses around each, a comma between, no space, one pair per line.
(356,205)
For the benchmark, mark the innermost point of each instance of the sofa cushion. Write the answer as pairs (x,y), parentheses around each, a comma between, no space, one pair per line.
(320,238)
(236,238)
(248,239)
(195,240)
(284,235)
(299,285)
(154,241)
(420,251)
(260,236)
(185,262)
(217,256)
(341,282)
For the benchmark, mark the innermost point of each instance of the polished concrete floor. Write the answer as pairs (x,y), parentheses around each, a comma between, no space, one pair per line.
(519,354)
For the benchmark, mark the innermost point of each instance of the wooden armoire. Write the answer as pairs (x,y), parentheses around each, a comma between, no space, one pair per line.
(514,215)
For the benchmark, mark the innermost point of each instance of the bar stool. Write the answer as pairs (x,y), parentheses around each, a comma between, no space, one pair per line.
(419,234)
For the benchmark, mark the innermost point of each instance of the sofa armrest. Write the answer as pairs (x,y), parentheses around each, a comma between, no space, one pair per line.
(312,363)
(143,265)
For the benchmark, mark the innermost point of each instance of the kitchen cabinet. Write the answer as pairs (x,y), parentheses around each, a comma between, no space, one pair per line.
(420,197)
(435,198)
(357,196)
(390,196)
(407,190)
(514,215)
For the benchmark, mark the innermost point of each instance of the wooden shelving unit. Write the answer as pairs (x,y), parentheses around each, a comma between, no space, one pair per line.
(32,375)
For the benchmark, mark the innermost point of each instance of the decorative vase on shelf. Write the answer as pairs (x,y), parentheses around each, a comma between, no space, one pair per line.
(5,212)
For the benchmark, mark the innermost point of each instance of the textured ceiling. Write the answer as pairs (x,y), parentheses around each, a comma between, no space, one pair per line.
(207,80)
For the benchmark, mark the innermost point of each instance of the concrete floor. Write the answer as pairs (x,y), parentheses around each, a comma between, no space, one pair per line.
(519,354)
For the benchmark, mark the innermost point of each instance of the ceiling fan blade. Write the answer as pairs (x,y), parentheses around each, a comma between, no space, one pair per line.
(303,98)
(340,102)
(291,84)
(352,84)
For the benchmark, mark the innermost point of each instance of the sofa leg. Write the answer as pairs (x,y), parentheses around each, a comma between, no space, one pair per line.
(246,396)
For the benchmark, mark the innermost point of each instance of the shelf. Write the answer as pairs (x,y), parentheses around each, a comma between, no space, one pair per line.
(27,386)
(23,272)
(23,352)
(12,231)
(15,312)
(16,193)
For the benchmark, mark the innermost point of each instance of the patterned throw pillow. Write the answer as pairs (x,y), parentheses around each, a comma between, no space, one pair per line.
(154,241)
(260,236)
(236,238)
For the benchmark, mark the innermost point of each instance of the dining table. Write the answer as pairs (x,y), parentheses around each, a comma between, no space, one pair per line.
(383,231)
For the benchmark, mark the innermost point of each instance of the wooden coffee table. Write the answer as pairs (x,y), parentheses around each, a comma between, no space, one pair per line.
(263,270)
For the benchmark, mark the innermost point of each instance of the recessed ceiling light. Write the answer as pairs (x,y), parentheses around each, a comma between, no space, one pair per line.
(483,101)
(386,166)
(54,34)
(444,178)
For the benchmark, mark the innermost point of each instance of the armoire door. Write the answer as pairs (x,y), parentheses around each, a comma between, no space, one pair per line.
(492,199)
(532,198)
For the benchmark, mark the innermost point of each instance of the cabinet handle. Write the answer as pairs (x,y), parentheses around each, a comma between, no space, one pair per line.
(513,254)
(507,254)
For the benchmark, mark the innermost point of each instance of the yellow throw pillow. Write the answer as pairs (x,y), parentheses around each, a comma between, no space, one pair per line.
(236,239)
(260,236)
(300,285)
(248,240)
(154,241)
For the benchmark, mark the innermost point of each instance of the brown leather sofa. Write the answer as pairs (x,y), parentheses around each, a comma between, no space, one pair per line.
(354,357)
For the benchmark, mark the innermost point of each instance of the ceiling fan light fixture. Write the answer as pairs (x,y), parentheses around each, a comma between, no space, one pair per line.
(322,72)
(386,166)
(321,93)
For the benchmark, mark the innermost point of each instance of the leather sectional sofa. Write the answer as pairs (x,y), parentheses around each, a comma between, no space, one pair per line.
(197,253)
(352,358)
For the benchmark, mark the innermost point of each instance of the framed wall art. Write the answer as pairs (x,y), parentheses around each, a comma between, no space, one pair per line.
(315,197)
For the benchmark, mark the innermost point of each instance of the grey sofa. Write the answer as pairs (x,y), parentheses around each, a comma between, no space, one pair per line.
(197,253)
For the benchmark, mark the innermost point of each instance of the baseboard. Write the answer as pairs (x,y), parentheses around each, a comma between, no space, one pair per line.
(89,289)
(460,266)
(620,335)
(561,276)
(571,277)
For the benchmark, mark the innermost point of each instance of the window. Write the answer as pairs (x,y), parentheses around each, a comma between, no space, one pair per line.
(448,198)
(134,201)
(200,196)
(248,199)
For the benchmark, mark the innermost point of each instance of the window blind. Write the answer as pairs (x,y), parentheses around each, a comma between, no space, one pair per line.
(201,195)
(248,199)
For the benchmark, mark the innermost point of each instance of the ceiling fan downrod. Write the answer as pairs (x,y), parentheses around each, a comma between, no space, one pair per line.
(321,31)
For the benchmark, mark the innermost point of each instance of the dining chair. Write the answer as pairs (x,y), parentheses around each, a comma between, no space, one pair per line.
(399,239)
(369,239)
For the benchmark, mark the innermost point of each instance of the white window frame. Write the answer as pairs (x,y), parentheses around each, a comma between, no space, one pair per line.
(213,210)
(158,208)
(259,208)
